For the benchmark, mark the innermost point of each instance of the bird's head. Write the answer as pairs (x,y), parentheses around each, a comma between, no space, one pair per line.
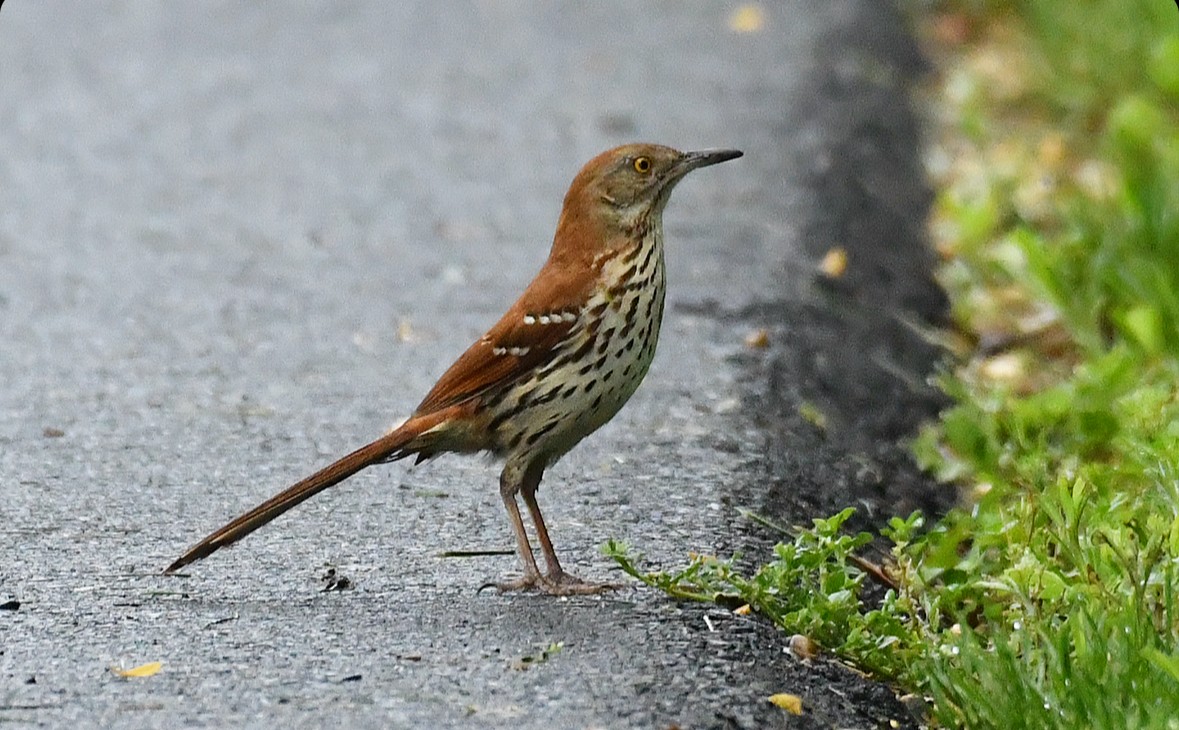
(628,183)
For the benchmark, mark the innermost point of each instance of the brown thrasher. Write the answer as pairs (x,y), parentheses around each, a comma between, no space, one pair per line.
(559,364)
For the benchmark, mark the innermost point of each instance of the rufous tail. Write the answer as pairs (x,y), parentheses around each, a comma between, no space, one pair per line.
(398,444)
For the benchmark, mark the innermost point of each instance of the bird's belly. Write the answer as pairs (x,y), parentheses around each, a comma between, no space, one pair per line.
(577,395)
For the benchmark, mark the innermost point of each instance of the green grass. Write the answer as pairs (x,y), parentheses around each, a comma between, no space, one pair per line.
(813,588)
(1051,598)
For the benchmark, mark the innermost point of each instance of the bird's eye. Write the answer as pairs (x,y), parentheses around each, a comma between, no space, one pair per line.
(643,164)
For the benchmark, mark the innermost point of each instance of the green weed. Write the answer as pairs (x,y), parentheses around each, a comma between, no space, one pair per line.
(1051,598)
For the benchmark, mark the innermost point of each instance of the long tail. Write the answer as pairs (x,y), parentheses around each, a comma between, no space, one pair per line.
(406,440)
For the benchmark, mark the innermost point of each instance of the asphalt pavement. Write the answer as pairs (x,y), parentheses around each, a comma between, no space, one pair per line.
(238,240)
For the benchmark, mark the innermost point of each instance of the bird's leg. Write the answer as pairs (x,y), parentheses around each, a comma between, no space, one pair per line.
(528,492)
(556,581)
(509,485)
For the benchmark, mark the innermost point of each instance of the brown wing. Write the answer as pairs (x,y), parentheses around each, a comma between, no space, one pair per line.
(524,339)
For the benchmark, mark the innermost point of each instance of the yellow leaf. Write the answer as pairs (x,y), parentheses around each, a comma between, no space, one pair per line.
(143,670)
(834,263)
(813,415)
(747,19)
(788,702)
(758,339)
(742,610)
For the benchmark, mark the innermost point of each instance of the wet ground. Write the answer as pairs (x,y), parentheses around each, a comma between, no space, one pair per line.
(237,241)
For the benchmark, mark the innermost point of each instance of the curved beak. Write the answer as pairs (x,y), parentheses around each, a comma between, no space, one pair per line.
(689,161)
(703,158)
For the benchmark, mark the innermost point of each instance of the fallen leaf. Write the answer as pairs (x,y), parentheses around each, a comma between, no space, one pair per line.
(747,19)
(790,703)
(758,339)
(834,263)
(143,670)
(811,413)
(742,610)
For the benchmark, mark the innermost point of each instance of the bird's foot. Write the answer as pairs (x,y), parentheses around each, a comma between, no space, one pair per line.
(553,584)
(525,582)
(560,583)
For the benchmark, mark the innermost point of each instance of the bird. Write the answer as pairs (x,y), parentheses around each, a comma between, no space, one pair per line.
(559,364)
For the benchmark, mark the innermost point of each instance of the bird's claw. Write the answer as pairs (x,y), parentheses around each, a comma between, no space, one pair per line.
(553,584)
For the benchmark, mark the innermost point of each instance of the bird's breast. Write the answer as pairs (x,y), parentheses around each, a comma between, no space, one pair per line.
(598,366)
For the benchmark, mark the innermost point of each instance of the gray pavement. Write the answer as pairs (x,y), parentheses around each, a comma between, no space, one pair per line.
(237,240)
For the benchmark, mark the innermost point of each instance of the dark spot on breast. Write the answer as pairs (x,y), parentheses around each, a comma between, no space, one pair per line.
(591,328)
(538,435)
(634,307)
(547,396)
(494,424)
(556,362)
(633,253)
(647,259)
(590,386)
(651,307)
(605,340)
(491,403)
(584,350)
(633,286)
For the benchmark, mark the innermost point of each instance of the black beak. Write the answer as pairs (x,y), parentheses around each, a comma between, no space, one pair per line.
(704,158)
(689,161)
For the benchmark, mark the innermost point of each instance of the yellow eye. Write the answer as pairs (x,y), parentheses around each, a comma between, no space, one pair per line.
(643,165)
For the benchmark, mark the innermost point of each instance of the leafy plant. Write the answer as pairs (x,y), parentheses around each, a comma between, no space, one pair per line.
(1051,598)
